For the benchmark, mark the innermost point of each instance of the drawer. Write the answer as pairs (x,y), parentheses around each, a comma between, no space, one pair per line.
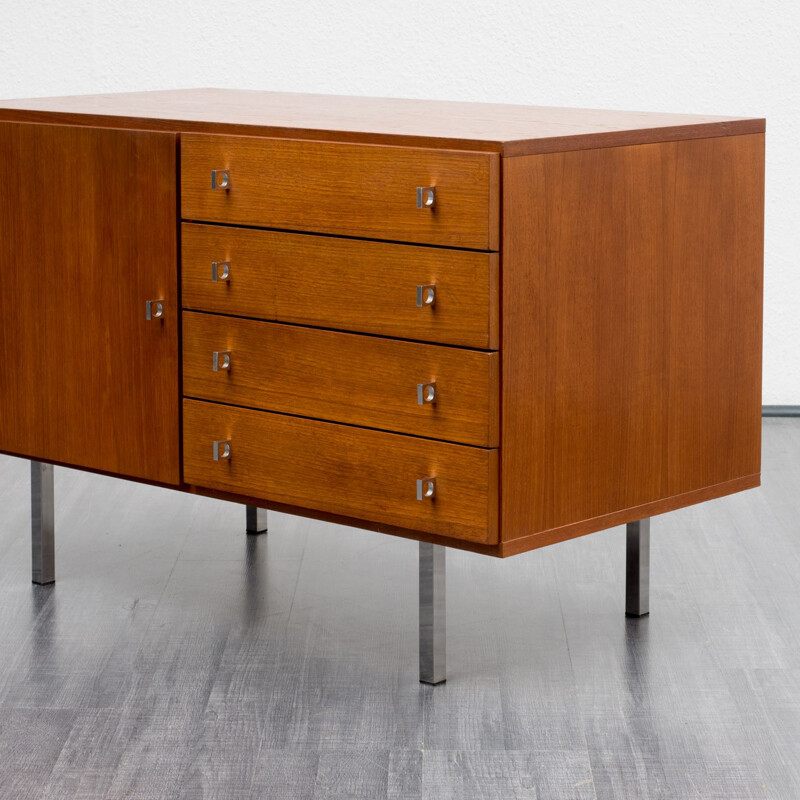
(338,469)
(356,190)
(344,377)
(348,284)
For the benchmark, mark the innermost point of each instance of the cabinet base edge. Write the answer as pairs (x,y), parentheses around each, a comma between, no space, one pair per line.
(533,541)
(503,549)
(420,536)
(336,519)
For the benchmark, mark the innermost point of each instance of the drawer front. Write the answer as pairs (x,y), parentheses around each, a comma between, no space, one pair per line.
(342,470)
(344,377)
(348,284)
(357,190)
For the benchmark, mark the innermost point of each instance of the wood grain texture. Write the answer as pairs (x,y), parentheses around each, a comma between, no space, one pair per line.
(631,329)
(493,549)
(343,470)
(355,190)
(344,377)
(507,129)
(348,284)
(714,301)
(533,541)
(89,233)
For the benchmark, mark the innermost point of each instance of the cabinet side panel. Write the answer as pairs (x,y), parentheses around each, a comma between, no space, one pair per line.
(631,330)
(715,268)
(88,234)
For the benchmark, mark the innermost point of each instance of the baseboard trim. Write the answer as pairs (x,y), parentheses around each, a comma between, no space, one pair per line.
(780,411)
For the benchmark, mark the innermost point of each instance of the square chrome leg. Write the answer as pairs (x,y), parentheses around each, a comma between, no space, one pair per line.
(256,519)
(42,523)
(637,569)
(432,632)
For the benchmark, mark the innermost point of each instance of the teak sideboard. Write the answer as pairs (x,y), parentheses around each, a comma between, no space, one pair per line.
(478,326)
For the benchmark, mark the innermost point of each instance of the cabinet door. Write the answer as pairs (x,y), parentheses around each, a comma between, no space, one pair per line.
(88,234)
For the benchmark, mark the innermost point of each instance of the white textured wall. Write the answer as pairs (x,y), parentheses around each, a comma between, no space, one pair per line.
(740,57)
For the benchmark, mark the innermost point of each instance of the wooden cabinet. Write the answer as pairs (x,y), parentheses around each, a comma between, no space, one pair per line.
(490,327)
(88,235)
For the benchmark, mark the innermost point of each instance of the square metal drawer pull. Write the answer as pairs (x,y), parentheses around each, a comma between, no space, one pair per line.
(426,488)
(426,393)
(222,449)
(426,295)
(154,309)
(426,196)
(221,360)
(220,179)
(220,271)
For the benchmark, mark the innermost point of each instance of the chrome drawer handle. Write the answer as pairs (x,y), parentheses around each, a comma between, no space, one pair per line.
(426,393)
(221,360)
(426,295)
(154,309)
(222,449)
(220,271)
(426,488)
(220,179)
(426,196)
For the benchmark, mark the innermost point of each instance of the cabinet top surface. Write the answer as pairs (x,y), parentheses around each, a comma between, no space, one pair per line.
(507,129)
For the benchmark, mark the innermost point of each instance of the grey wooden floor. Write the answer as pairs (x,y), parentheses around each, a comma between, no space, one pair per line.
(176,658)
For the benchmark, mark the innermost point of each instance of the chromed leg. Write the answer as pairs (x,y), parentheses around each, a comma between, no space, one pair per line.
(432,634)
(637,569)
(256,520)
(43,523)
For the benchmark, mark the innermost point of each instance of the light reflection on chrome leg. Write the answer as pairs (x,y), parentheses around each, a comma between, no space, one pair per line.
(256,519)
(42,523)
(255,584)
(637,568)
(432,609)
